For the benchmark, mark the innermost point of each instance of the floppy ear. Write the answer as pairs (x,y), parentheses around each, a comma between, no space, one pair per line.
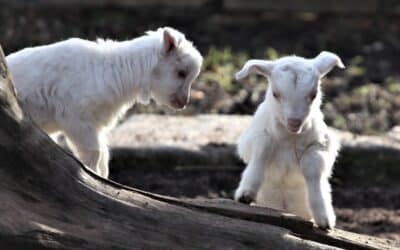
(261,67)
(171,39)
(325,62)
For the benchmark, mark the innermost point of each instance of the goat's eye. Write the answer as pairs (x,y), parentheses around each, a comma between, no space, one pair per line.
(276,95)
(182,74)
(313,95)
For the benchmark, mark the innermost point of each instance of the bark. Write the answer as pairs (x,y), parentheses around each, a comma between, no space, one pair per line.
(49,200)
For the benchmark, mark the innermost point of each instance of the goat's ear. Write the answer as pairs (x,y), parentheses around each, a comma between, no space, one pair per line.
(261,67)
(325,62)
(171,40)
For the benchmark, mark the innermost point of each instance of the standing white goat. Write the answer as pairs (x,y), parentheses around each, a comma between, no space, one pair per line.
(288,148)
(81,88)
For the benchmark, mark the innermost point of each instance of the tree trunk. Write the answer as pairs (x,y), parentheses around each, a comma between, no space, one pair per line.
(49,200)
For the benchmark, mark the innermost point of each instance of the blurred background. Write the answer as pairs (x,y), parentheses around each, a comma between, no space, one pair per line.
(363,99)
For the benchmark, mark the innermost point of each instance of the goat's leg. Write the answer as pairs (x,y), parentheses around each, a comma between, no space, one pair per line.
(315,166)
(104,158)
(86,144)
(253,175)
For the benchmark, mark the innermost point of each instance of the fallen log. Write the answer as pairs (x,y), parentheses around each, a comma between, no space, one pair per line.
(49,200)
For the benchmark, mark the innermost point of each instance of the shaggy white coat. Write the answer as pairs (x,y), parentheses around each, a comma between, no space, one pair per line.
(81,88)
(288,148)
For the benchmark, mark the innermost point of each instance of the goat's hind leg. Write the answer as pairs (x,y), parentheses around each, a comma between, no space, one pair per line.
(86,144)
(104,158)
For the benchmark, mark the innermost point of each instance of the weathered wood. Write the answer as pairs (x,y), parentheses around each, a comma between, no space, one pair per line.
(49,200)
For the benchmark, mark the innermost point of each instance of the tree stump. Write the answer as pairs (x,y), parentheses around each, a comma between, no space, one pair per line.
(49,200)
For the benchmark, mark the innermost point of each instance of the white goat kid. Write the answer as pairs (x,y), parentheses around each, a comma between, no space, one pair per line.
(81,88)
(288,148)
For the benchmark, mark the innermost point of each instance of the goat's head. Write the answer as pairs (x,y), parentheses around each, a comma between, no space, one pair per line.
(179,65)
(294,85)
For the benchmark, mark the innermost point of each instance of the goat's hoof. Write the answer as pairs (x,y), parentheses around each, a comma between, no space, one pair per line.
(325,227)
(325,222)
(246,199)
(245,196)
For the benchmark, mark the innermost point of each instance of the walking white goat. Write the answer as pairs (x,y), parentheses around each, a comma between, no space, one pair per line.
(81,88)
(288,148)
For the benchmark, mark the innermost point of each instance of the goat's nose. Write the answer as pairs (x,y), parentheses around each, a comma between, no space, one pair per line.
(183,100)
(294,122)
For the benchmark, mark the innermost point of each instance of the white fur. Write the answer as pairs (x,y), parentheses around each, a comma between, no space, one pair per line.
(81,87)
(288,168)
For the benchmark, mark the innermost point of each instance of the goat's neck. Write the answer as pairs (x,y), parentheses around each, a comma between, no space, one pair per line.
(132,63)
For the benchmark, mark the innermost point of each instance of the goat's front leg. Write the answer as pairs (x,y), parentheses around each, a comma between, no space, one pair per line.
(253,175)
(316,165)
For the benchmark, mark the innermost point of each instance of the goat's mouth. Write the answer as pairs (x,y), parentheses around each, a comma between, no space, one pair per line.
(295,129)
(177,103)
(294,125)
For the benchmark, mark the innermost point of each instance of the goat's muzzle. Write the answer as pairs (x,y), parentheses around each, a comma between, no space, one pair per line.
(179,102)
(294,125)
